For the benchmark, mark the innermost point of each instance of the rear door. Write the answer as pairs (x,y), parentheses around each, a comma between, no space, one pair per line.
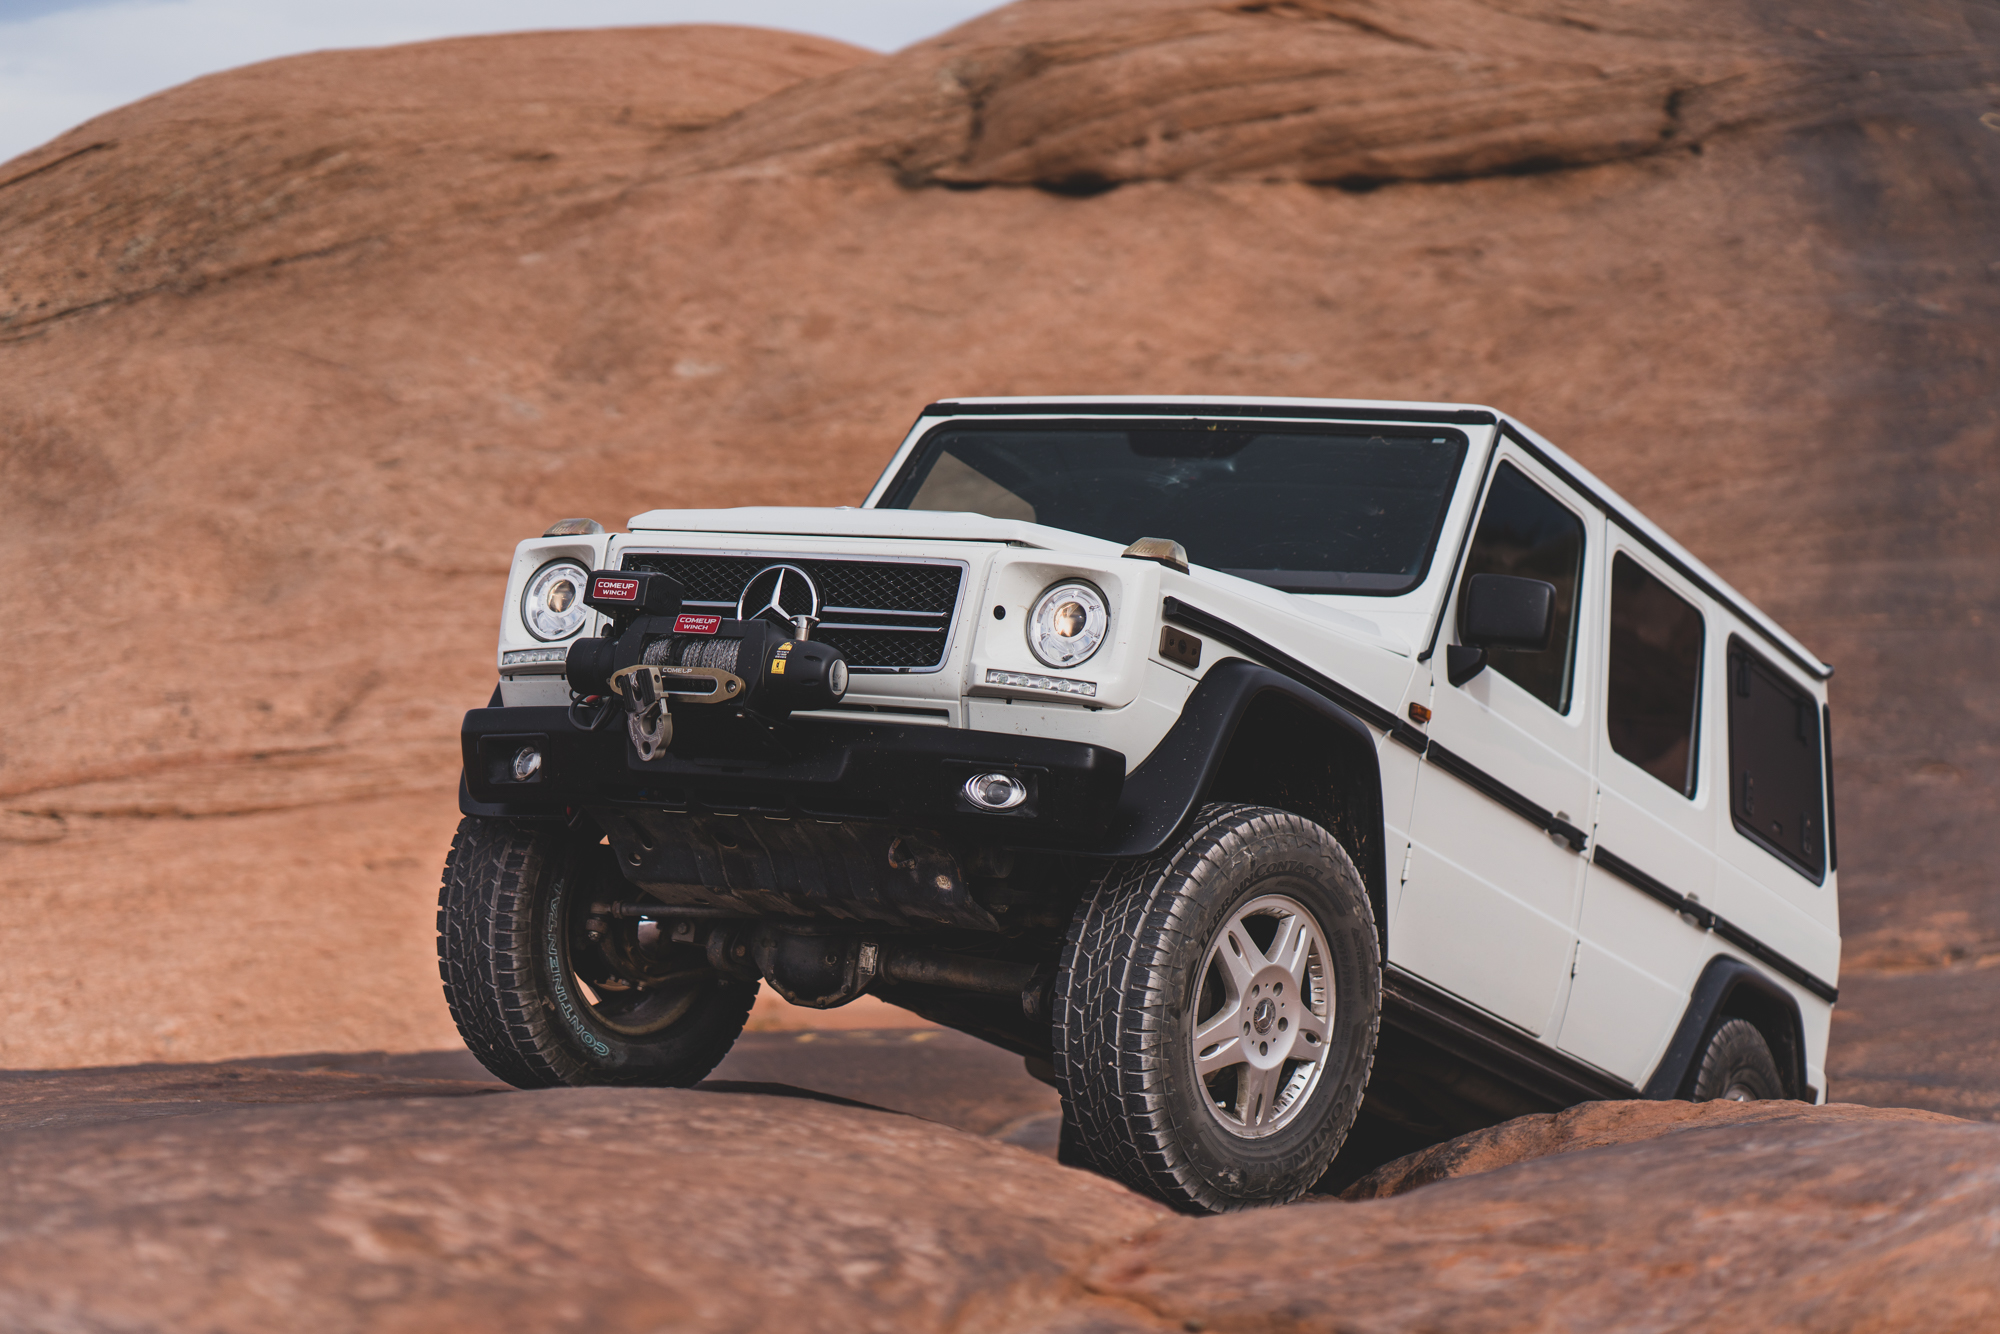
(1637,957)
(1489,905)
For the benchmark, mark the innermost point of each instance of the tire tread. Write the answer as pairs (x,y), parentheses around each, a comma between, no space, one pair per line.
(1109,1020)
(487,961)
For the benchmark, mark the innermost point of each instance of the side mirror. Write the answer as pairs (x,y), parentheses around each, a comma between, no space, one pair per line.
(1500,611)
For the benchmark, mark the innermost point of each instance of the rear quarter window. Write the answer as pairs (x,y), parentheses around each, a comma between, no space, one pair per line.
(1777,785)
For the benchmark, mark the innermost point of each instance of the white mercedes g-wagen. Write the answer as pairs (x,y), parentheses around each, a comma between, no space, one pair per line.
(1272,774)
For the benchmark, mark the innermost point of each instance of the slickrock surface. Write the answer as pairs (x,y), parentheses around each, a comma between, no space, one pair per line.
(404,1193)
(572,1209)
(1598,1125)
(938,1075)
(291,356)
(1827,1221)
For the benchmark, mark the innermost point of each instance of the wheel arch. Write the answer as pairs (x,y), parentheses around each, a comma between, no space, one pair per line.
(1251,734)
(1729,988)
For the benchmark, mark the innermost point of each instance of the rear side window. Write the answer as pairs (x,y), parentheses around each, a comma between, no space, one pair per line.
(1653,702)
(1525,531)
(1777,789)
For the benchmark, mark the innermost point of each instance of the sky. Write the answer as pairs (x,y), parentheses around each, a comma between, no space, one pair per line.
(64,61)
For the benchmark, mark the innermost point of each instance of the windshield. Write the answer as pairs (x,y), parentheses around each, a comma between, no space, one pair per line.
(1307,508)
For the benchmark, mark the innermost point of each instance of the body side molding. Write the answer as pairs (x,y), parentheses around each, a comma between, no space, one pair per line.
(1207,623)
(1376,716)
(1492,788)
(1465,771)
(1709,920)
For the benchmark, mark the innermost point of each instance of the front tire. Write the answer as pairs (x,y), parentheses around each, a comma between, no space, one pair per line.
(539,1001)
(1216,1012)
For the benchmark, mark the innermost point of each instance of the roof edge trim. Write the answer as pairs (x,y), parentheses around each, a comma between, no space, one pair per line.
(1145,408)
(1644,531)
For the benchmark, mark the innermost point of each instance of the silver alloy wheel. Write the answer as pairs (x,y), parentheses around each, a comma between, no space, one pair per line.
(1262,1016)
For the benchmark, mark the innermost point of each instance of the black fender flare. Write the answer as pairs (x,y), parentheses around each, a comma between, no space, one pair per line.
(1174,780)
(1726,988)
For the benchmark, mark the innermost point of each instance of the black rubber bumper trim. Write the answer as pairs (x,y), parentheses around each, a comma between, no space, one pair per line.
(877,772)
(1708,920)
(1503,1051)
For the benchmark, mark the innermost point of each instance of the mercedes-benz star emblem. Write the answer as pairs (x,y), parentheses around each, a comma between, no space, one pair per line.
(783,593)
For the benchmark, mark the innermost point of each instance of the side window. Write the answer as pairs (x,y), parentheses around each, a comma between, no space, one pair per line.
(1653,703)
(1526,531)
(1776,792)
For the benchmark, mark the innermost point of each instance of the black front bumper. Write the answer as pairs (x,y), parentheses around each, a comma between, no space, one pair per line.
(838,771)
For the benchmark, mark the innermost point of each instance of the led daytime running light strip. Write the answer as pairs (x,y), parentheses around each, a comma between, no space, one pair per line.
(1032,681)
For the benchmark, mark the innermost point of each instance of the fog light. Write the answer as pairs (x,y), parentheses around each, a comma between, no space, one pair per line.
(527,763)
(995,792)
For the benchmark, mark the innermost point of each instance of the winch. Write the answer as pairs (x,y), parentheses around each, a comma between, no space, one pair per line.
(652,655)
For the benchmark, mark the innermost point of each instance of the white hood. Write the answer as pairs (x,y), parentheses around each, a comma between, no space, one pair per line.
(959,526)
(920,525)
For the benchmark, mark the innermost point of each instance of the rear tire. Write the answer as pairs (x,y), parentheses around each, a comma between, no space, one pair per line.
(1194,1065)
(1737,1066)
(518,970)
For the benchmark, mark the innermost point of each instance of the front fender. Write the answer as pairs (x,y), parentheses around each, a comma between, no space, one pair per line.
(1182,771)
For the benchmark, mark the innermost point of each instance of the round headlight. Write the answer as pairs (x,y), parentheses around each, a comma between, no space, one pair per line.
(553,605)
(1068,624)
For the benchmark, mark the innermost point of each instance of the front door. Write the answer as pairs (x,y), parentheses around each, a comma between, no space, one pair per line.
(1488,910)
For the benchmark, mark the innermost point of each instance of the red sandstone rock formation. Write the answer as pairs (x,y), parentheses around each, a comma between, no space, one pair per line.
(391,1197)
(293,354)
(1595,1125)
(1823,1221)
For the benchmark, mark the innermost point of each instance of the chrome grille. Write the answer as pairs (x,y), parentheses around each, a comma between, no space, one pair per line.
(883,615)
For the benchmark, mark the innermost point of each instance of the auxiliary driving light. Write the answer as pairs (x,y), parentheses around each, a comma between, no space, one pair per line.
(995,792)
(527,763)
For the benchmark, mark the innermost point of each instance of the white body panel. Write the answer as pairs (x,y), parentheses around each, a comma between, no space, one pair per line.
(1481,902)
